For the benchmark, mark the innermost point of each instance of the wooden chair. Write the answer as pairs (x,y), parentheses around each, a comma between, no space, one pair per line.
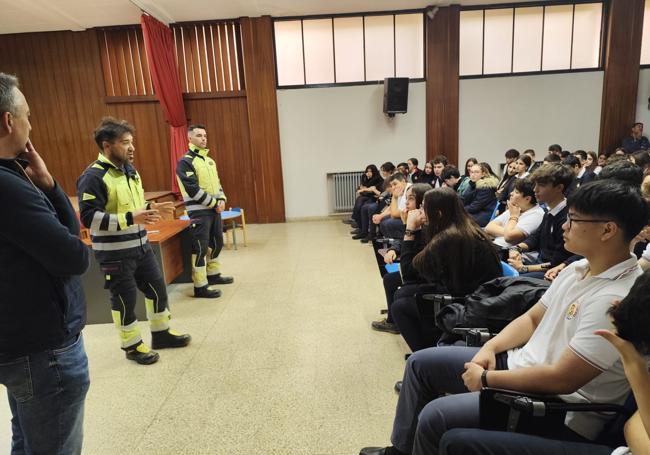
(232,215)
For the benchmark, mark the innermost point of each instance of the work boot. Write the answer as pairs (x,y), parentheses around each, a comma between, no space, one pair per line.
(206,292)
(169,339)
(142,354)
(219,279)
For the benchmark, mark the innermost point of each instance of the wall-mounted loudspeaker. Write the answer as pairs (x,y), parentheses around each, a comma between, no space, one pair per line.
(396,95)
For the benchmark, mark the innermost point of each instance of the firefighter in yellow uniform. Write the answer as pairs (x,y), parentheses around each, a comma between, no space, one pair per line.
(204,200)
(112,206)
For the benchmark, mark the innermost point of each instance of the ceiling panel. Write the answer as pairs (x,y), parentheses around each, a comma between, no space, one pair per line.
(50,15)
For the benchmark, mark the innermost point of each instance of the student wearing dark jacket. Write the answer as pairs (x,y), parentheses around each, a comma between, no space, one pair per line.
(368,191)
(405,251)
(480,198)
(44,364)
(458,258)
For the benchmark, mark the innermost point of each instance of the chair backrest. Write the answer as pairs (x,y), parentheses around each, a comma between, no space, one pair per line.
(508,270)
(236,209)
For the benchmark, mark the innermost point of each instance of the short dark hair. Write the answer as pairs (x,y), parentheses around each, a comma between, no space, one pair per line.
(111,129)
(552,158)
(622,170)
(440,159)
(642,158)
(571,161)
(631,316)
(637,123)
(555,148)
(388,167)
(564,154)
(413,161)
(402,165)
(614,200)
(581,153)
(530,152)
(450,171)
(195,126)
(553,173)
(397,176)
(527,189)
(8,86)
(512,154)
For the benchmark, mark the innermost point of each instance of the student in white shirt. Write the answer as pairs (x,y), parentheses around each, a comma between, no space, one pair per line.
(550,349)
(522,218)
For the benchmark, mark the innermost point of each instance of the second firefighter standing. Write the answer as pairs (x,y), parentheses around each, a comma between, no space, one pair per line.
(204,199)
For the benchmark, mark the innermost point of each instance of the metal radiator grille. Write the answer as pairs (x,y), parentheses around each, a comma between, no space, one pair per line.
(343,190)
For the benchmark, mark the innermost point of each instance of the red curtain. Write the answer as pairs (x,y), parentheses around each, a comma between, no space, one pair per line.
(159,44)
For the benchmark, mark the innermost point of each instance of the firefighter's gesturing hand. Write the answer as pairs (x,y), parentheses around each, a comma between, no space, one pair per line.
(166,209)
(146,216)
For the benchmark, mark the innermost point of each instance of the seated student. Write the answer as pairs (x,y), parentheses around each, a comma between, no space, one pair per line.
(480,199)
(602,162)
(406,274)
(392,226)
(510,156)
(369,188)
(550,349)
(403,168)
(631,318)
(545,248)
(506,185)
(555,149)
(414,173)
(451,177)
(620,151)
(641,159)
(522,218)
(383,206)
(573,163)
(552,158)
(534,165)
(439,163)
(636,140)
(458,258)
(591,164)
(523,163)
(464,185)
(427,175)
(373,207)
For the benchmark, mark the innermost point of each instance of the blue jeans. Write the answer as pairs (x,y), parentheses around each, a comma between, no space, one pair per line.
(46,393)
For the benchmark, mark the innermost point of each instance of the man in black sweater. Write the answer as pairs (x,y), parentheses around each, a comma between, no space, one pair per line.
(545,247)
(43,363)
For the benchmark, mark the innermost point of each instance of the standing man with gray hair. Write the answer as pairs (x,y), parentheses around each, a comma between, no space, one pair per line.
(43,363)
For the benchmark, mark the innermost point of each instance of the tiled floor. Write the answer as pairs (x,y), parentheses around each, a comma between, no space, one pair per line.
(283,363)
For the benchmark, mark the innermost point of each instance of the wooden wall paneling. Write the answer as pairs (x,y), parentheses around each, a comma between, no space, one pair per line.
(216,39)
(106,64)
(137,64)
(180,58)
(262,108)
(189,60)
(146,71)
(127,54)
(225,58)
(442,83)
(117,70)
(232,52)
(240,58)
(196,59)
(209,51)
(620,82)
(203,60)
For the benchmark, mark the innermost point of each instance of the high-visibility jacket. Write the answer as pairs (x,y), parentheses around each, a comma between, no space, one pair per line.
(108,197)
(199,182)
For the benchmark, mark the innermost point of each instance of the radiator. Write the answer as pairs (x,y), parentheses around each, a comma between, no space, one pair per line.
(343,190)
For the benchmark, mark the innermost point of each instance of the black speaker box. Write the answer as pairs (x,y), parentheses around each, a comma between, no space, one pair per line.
(396,95)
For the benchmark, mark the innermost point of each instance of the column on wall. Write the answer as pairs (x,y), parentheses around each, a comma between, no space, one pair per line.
(442,50)
(622,60)
(259,69)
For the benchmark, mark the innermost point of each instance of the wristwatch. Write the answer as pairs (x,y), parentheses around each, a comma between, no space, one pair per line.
(410,232)
(524,269)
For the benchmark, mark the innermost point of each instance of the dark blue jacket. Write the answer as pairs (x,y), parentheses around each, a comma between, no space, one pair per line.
(42,304)
(480,199)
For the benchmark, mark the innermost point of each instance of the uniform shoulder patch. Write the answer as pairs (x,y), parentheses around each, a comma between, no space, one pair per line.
(88,197)
(189,173)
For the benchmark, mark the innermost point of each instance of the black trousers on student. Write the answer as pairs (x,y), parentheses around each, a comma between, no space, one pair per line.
(392,282)
(356,211)
(419,333)
(367,211)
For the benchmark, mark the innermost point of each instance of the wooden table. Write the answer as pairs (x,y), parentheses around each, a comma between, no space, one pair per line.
(171,243)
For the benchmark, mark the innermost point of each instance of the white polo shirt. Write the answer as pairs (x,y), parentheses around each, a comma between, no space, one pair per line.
(528,223)
(575,307)
(401,202)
